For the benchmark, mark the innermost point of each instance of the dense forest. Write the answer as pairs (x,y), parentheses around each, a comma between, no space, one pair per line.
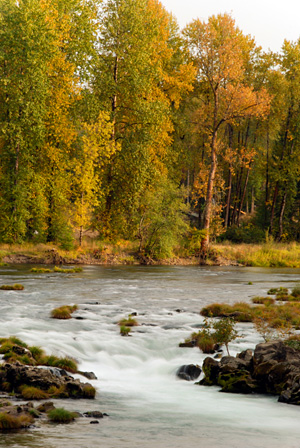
(114,119)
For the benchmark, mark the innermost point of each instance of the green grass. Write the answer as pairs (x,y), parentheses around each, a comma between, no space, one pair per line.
(34,355)
(61,415)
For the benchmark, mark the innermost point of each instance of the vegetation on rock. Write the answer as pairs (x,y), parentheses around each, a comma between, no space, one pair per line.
(61,415)
(128,322)
(15,287)
(14,350)
(63,312)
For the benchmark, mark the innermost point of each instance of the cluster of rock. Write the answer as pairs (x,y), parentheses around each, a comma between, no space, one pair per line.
(14,376)
(273,368)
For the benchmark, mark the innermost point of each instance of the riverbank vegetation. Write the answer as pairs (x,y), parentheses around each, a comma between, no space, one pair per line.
(114,125)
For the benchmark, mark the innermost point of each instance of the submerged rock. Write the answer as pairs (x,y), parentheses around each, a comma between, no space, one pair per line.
(188,372)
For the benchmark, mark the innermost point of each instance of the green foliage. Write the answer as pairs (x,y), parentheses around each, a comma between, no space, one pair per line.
(224,332)
(163,220)
(34,355)
(62,363)
(124,331)
(247,233)
(61,415)
(214,333)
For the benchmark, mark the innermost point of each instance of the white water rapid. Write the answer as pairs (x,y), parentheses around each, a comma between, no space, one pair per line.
(147,406)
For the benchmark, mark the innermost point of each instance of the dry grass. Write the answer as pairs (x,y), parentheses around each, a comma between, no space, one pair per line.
(269,254)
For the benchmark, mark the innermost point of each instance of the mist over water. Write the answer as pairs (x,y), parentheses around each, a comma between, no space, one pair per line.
(136,384)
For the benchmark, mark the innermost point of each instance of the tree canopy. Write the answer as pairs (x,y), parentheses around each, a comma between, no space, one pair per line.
(114,119)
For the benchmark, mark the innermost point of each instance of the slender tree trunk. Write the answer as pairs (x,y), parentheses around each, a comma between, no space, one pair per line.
(282,208)
(210,186)
(114,105)
(228,202)
(81,227)
(243,197)
(267,175)
(211,180)
(273,208)
(228,197)
(252,200)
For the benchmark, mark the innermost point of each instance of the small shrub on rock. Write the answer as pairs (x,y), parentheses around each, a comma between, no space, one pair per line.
(63,312)
(129,322)
(124,331)
(61,415)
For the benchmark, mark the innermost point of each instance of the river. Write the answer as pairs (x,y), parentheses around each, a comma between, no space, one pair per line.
(147,405)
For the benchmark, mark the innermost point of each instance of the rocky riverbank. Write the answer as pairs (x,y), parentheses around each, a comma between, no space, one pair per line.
(273,368)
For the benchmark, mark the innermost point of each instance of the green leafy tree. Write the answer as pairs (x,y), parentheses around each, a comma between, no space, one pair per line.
(137,78)
(163,220)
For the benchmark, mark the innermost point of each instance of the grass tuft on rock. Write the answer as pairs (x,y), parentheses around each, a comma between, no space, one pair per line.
(89,391)
(15,287)
(62,363)
(128,322)
(61,415)
(9,422)
(33,393)
(63,312)
(263,301)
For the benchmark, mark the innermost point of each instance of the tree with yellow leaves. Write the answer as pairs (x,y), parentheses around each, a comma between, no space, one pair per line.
(220,52)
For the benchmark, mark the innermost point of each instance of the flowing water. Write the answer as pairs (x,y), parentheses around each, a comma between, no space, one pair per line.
(137,386)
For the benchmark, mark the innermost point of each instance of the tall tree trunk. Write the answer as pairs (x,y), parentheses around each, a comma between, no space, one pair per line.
(210,186)
(267,175)
(282,208)
(228,197)
(252,200)
(114,104)
(243,197)
(228,202)
(273,208)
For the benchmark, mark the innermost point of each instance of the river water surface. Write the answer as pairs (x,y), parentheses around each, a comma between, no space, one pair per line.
(137,386)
